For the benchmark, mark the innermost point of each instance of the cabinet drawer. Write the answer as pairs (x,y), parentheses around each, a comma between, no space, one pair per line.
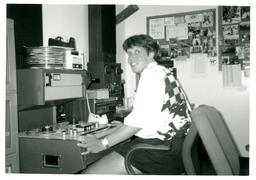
(12,164)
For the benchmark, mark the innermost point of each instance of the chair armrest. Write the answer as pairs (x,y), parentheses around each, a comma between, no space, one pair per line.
(136,147)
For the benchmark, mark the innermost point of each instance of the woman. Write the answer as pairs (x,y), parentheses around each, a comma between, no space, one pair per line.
(161,115)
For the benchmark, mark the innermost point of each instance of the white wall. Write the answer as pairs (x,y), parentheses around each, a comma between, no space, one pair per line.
(72,21)
(203,89)
(67,21)
(127,75)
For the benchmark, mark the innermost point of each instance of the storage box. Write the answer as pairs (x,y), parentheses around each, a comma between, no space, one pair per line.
(98,94)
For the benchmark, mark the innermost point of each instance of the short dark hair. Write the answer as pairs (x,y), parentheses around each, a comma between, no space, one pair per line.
(142,40)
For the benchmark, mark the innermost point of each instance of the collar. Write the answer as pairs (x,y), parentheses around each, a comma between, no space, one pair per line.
(152,64)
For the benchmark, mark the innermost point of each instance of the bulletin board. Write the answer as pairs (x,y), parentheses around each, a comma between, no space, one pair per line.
(181,34)
(234,36)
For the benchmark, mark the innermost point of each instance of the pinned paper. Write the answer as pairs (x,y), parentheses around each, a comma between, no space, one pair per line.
(194,18)
(199,64)
(231,75)
(156,28)
(169,21)
(179,31)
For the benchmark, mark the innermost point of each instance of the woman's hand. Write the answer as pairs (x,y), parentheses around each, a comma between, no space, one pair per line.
(91,144)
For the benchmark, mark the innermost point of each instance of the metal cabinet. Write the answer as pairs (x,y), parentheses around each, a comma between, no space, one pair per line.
(11,120)
(37,86)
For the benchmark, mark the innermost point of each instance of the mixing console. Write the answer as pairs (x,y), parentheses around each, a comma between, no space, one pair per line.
(65,131)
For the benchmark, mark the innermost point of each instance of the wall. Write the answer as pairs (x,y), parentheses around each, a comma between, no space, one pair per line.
(67,21)
(121,56)
(72,20)
(203,89)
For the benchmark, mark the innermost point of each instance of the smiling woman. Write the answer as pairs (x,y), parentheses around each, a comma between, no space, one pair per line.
(138,59)
(141,50)
(160,115)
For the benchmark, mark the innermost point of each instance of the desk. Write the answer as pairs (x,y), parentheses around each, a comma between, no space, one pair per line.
(54,154)
(122,112)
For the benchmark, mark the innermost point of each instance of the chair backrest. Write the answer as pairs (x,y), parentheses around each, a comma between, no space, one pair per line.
(189,152)
(209,124)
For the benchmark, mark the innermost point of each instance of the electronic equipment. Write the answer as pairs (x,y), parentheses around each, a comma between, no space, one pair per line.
(74,60)
(42,91)
(54,57)
(37,86)
(53,149)
(44,115)
(46,146)
(64,130)
(107,75)
(104,106)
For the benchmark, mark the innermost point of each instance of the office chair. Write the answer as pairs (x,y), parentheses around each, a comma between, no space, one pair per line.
(209,125)
(217,140)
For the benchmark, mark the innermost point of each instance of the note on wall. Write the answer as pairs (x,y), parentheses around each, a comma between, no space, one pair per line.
(179,31)
(169,21)
(198,64)
(231,75)
(156,27)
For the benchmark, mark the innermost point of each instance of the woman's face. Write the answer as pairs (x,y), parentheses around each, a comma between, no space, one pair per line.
(138,58)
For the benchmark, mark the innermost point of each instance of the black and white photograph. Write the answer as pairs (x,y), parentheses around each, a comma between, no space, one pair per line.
(231,14)
(231,32)
(207,19)
(245,32)
(109,88)
(245,13)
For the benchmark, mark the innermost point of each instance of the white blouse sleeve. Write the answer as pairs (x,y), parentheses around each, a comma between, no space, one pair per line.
(148,101)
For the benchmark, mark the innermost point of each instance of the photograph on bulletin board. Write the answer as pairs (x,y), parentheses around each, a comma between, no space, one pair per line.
(231,34)
(207,19)
(245,13)
(245,32)
(181,34)
(231,14)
